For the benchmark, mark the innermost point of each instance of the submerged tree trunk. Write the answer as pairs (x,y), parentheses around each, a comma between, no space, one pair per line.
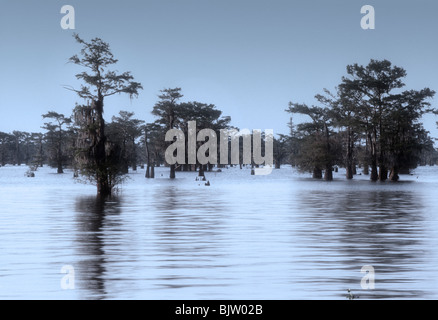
(328,173)
(17,153)
(40,158)
(366,169)
(349,165)
(373,145)
(59,158)
(99,154)
(103,187)
(383,172)
(148,155)
(394,174)
(172,171)
(60,170)
(148,167)
(366,165)
(374,173)
(317,173)
(349,171)
(134,156)
(201,170)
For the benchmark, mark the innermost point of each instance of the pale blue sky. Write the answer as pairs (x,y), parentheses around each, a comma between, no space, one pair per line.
(248,57)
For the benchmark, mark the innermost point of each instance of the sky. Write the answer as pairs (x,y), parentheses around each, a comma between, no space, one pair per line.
(250,58)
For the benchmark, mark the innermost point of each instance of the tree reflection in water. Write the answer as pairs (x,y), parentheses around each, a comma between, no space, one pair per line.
(91,219)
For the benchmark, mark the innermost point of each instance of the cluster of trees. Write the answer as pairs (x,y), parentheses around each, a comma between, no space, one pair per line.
(54,147)
(368,122)
(57,145)
(174,115)
(103,152)
(21,147)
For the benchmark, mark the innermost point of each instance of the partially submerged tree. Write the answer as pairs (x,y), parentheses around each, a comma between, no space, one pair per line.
(165,110)
(38,139)
(207,116)
(125,130)
(281,149)
(406,136)
(315,151)
(97,157)
(18,138)
(154,146)
(172,114)
(383,110)
(56,136)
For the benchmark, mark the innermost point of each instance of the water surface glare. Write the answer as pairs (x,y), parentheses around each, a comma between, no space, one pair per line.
(282,236)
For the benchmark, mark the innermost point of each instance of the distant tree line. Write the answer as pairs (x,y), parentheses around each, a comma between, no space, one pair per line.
(368,123)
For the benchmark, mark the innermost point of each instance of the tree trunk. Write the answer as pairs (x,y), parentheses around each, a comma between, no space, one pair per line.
(59,160)
(17,153)
(201,170)
(349,171)
(349,160)
(172,171)
(148,157)
(317,173)
(394,174)
(41,155)
(366,169)
(153,171)
(366,165)
(383,173)
(134,156)
(373,144)
(374,172)
(104,187)
(60,171)
(328,173)
(148,171)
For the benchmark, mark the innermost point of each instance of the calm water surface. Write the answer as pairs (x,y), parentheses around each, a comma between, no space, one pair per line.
(282,236)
